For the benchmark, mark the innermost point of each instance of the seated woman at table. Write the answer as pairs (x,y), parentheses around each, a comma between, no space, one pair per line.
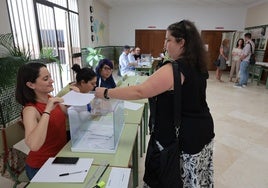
(43,116)
(104,72)
(86,80)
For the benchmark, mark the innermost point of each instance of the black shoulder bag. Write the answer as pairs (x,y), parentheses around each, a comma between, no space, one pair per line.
(162,165)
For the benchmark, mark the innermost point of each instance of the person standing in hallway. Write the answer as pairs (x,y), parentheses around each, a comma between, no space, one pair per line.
(224,52)
(236,54)
(184,45)
(248,49)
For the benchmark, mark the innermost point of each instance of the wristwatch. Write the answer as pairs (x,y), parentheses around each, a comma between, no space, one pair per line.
(105,94)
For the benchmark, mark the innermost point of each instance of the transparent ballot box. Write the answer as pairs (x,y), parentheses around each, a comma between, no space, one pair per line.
(96,131)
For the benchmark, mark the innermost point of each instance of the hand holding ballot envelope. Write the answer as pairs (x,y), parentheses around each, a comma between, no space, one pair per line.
(97,106)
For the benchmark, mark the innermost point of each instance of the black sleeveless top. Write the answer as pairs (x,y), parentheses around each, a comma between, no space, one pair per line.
(197,127)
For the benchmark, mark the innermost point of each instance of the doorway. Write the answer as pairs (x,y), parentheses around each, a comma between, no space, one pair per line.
(150,41)
(212,39)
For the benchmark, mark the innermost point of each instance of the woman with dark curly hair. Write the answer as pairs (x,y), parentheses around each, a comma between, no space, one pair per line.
(236,54)
(185,48)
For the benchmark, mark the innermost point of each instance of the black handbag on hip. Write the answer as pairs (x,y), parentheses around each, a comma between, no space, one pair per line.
(217,62)
(162,165)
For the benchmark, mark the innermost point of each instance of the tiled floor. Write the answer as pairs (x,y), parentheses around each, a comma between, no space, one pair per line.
(241,142)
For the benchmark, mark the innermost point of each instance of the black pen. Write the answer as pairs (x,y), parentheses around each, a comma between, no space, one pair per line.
(102,173)
(69,173)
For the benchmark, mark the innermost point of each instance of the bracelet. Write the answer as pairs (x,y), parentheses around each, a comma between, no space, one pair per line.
(105,94)
(46,113)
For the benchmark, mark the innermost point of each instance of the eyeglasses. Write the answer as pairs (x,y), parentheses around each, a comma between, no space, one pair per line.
(107,68)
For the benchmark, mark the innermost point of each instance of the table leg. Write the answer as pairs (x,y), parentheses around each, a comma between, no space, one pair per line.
(135,164)
(141,138)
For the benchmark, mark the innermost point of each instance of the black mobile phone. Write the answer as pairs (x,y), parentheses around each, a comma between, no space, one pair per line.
(65,160)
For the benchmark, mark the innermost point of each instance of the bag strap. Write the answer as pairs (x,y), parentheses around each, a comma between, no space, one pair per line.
(177,101)
(177,97)
(250,47)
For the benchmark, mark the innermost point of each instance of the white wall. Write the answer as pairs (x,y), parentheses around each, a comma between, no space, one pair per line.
(124,20)
(83,9)
(101,23)
(257,15)
(4,20)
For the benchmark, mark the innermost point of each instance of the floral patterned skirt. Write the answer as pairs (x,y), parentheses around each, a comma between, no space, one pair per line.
(197,169)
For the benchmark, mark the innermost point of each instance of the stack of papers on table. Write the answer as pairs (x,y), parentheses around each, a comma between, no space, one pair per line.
(50,172)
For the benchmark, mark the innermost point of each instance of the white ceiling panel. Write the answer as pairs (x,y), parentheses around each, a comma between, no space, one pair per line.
(215,3)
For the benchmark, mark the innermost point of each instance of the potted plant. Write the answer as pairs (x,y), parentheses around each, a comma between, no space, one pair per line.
(13,58)
(93,56)
(47,56)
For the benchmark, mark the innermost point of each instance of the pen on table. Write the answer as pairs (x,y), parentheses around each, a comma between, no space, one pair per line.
(102,173)
(101,184)
(69,173)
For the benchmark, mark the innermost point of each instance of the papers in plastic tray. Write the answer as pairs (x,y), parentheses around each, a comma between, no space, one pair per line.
(50,172)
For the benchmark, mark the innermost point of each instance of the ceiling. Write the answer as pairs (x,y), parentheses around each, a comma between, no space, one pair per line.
(217,3)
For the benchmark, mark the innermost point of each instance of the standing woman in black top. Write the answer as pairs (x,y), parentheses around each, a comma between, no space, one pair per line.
(184,45)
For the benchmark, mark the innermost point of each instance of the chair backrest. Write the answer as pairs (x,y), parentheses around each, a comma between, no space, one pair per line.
(1,142)
(14,134)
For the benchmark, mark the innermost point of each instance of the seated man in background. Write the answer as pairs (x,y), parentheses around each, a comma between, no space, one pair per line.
(126,67)
(137,54)
(104,72)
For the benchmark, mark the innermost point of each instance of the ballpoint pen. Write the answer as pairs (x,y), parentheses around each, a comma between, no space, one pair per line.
(69,173)
(100,184)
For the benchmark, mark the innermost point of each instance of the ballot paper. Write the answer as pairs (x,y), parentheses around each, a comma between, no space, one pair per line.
(51,172)
(74,98)
(119,178)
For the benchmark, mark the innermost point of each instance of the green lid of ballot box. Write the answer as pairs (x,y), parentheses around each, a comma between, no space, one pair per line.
(96,128)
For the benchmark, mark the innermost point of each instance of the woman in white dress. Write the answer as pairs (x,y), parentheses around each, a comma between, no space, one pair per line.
(236,53)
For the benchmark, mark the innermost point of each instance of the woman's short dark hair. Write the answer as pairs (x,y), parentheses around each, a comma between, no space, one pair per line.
(27,73)
(85,73)
(102,63)
(194,49)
